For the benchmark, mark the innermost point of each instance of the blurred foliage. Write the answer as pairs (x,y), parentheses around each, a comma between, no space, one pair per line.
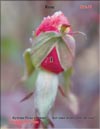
(10,49)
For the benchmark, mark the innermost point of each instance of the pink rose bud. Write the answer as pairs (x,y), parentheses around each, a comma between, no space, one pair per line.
(60,57)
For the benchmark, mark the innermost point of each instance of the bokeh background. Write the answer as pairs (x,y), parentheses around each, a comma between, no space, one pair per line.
(18,20)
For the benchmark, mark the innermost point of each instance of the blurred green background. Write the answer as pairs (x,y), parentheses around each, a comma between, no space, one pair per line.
(18,20)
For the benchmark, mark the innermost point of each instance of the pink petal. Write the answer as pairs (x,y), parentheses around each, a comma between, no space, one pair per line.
(52,63)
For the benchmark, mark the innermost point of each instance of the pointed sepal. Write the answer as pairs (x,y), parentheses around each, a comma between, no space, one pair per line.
(29,67)
(42,46)
(67,80)
(26,97)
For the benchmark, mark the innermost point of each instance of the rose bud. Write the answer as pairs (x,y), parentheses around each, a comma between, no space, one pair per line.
(54,46)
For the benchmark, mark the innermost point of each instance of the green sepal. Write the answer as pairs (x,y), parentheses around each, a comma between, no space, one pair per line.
(64,55)
(30,82)
(45,43)
(67,79)
(29,68)
(46,122)
(70,44)
(43,38)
